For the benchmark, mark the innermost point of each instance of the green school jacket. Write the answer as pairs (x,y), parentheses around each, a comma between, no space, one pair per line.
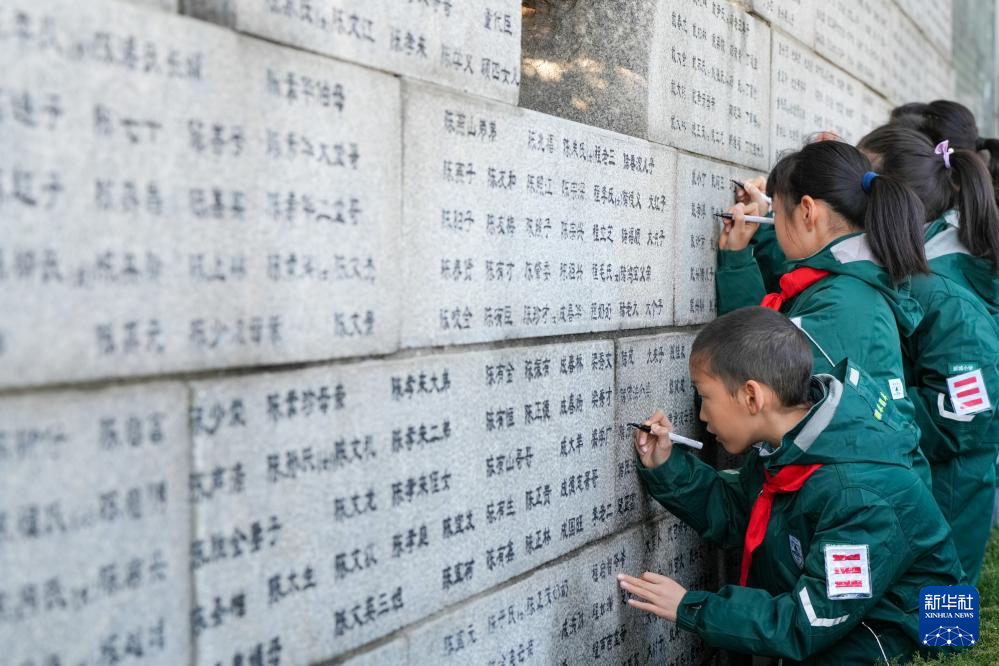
(865,495)
(959,333)
(854,313)
(956,335)
(949,257)
(769,257)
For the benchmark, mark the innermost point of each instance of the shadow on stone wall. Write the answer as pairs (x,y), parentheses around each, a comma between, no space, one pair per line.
(588,62)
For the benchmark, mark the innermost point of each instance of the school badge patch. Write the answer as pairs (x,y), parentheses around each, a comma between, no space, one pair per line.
(968,393)
(848,571)
(796,553)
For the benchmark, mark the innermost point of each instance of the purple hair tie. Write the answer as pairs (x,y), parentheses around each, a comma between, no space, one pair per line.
(943,148)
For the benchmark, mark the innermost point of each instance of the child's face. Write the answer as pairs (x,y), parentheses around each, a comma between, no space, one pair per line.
(726,416)
(787,226)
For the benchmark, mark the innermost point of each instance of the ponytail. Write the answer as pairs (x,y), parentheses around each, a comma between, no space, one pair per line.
(991,146)
(958,180)
(975,201)
(890,213)
(945,119)
(893,221)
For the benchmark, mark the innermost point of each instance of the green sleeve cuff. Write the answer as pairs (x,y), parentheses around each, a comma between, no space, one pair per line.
(662,480)
(690,606)
(765,234)
(736,258)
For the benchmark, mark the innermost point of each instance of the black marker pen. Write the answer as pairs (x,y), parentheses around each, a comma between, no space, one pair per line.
(676,439)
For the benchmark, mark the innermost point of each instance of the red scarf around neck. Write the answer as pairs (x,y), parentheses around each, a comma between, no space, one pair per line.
(789,479)
(792,284)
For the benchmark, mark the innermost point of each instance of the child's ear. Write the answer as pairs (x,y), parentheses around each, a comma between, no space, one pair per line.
(753,393)
(809,212)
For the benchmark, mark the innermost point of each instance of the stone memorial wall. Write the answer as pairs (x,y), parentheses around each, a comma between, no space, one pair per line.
(320,321)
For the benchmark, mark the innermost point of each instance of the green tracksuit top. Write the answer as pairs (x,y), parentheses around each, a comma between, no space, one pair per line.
(769,257)
(958,334)
(864,496)
(854,313)
(949,257)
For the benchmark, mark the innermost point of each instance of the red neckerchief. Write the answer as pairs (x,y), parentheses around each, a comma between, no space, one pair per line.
(789,479)
(792,284)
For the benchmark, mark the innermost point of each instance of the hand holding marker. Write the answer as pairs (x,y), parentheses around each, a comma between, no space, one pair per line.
(676,439)
(756,219)
(742,186)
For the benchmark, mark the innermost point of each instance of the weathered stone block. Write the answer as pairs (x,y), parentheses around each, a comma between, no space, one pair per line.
(95,526)
(338,504)
(651,374)
(470,45)
(574,612)
(518,224)
(176,197)
(690,75)
(703,187)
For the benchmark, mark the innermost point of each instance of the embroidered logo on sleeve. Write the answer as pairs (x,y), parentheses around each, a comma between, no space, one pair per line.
(968,393)
(799,557)
(848,572)
(897,388)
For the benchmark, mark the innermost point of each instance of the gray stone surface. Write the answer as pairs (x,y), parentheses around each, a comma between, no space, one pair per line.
(94,527)
(708,76)
(874,111)
(675,73)
(795,17)
(703,187)
(857,35)
(812,95)
(975,63)
(912,51)
(518,224)
(394,653)
(574,612)
(934,19)
(216,201)
(651,374)
(589,62)
(177,197)
(809,95)
(167,5)
(879,44)
(367,496)
(471,45)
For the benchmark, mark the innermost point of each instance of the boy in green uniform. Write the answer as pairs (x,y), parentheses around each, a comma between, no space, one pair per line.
(838,534)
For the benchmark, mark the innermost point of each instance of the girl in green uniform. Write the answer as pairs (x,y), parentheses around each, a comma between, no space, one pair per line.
(946,120)
(952,356)
(852,240)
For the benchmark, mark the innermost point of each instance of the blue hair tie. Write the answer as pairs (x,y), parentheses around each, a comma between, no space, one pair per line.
(868,179)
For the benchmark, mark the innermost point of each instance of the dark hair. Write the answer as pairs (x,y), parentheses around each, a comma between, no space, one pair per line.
(943,119)
(966,185)
(891,214)
(940,119)
(760,344)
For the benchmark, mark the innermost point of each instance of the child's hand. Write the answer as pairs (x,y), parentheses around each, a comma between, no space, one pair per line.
(654,448)
(656,594)
(752,192)
(737,233)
